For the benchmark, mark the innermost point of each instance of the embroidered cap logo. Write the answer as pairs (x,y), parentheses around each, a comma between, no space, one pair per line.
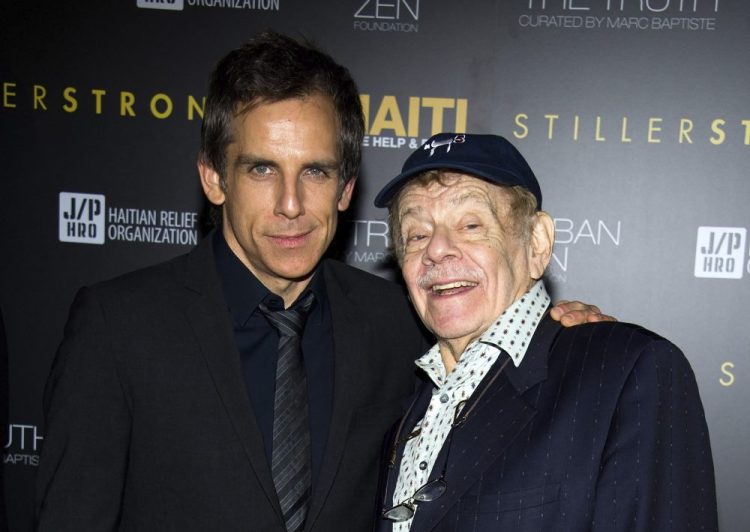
(434,144)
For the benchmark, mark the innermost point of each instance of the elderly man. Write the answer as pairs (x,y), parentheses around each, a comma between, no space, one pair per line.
(526,425)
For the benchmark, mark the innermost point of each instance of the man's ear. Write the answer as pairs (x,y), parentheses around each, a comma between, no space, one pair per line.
(346,195)
(211,183)
(540,244)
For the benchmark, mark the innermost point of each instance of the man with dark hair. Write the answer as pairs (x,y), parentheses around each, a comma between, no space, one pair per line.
(272,68)
(246,385)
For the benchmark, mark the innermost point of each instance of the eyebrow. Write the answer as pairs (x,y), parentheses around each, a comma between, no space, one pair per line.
(330,165)
(245,159)
(408,212)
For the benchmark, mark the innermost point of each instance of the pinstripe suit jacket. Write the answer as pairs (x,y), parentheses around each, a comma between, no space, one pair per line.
(600,428)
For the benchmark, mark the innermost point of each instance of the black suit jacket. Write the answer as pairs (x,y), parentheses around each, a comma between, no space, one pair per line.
(600,428)
(149,426)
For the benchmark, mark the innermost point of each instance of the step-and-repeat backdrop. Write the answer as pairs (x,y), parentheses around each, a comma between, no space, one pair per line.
(633,113)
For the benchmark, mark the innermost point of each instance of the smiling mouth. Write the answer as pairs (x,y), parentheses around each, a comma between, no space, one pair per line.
(290,241)
(454,287)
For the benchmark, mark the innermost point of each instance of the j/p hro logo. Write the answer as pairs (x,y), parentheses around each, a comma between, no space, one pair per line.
(86,219)
(82,218)
(720,252)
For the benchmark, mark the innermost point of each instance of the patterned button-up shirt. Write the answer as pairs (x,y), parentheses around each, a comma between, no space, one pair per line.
(511,332)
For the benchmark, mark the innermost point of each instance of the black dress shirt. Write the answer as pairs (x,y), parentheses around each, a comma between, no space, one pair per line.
(257,341)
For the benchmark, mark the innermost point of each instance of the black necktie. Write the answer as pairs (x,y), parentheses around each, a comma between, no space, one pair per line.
(290,457)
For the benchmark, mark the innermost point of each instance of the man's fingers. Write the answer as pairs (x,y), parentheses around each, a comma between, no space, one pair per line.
(576,312)
(591,318)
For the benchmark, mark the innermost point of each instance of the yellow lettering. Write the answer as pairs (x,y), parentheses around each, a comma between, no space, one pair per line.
(524,132)
(98,93)
(413,127)
(364,99)
(725,367)
(127,99)
(550,128)
(161,97)
(39,94)
(746,123)
(653,128)
(598,131)
(720,134)
(686,126)
(388,117)
(462,108)
(576,124)
(624,136)
(437,105)
(72,104)
(194,106)
(8,94)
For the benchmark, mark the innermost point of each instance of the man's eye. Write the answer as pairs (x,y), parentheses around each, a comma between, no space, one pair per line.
(471,226)
(260,169)
(316,173)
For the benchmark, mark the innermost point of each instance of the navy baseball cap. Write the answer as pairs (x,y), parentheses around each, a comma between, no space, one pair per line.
(488,157)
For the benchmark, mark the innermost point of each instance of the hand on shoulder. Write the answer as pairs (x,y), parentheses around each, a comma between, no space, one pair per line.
(570,313)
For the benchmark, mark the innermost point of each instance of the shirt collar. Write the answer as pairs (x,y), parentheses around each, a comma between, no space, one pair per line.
(510,332)
(243,292)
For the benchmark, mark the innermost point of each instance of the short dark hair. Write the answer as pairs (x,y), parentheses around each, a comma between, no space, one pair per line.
(270,68)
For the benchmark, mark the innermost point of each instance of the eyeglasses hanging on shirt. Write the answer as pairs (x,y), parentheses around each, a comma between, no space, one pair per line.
(435,488)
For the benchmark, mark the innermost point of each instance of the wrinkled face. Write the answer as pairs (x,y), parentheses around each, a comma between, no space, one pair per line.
(462,266)
(282,191)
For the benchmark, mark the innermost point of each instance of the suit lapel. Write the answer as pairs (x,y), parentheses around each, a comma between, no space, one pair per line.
(492,426)
(495,423)
(350,333)
(414,413)
(207,316)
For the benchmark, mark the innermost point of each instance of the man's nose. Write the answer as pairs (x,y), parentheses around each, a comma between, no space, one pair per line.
(442,246)
(289,198)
